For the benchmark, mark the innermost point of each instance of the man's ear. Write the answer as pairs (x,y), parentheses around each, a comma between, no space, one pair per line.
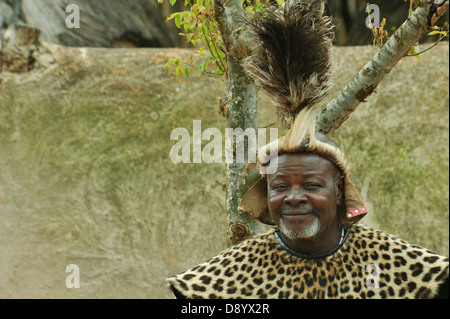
(340,190)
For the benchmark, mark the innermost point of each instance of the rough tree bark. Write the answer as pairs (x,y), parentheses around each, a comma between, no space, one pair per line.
(242,95)
(240,109)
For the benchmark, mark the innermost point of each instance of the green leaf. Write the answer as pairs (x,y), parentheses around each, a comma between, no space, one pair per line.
(186,15)
(174,61)
(186,72)
(178,20)
(202,67)
(172,2)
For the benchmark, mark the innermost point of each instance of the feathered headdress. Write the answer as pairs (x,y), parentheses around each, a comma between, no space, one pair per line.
(292,58)
(292,63)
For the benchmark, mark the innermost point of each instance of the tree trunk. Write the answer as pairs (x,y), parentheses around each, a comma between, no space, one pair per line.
(241,99)
(241,114)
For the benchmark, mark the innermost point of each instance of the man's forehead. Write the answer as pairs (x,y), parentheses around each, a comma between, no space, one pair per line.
(291,161)
(305,162)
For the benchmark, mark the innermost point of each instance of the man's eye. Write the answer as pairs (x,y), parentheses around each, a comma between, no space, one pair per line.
(279,187)
(312,186)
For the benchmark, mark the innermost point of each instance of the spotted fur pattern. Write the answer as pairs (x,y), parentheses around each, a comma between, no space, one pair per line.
(261,268)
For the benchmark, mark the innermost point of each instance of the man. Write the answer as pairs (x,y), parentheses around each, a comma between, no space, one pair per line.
(316,249)
(310,254)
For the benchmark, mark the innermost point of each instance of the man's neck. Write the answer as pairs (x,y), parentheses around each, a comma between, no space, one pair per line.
(323,243)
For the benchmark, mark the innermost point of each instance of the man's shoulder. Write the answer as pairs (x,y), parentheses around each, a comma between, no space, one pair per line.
(408,266)
(206,279)
(387,242)
(384,239)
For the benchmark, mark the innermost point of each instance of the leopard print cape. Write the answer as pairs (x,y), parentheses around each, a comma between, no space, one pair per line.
(370,264)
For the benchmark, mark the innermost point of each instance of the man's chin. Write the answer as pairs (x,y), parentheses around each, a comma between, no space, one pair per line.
(296,231)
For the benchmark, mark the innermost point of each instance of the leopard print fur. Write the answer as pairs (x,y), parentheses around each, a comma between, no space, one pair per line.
(370,264)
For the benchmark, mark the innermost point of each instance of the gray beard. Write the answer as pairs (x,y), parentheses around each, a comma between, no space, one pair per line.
(309,233)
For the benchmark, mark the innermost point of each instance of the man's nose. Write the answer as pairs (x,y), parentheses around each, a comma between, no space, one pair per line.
(295,197)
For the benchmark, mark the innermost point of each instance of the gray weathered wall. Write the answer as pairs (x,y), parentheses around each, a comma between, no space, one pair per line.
(103,23)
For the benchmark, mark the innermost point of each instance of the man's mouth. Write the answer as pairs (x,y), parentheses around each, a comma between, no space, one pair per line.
(296,213)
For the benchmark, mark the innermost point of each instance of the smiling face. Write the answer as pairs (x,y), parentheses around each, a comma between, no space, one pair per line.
(303,196)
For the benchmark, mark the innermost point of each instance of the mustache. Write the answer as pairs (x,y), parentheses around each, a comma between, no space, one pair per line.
(283,210)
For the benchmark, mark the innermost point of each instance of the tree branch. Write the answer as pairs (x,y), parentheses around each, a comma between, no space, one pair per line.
(231,19)
(339,109)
